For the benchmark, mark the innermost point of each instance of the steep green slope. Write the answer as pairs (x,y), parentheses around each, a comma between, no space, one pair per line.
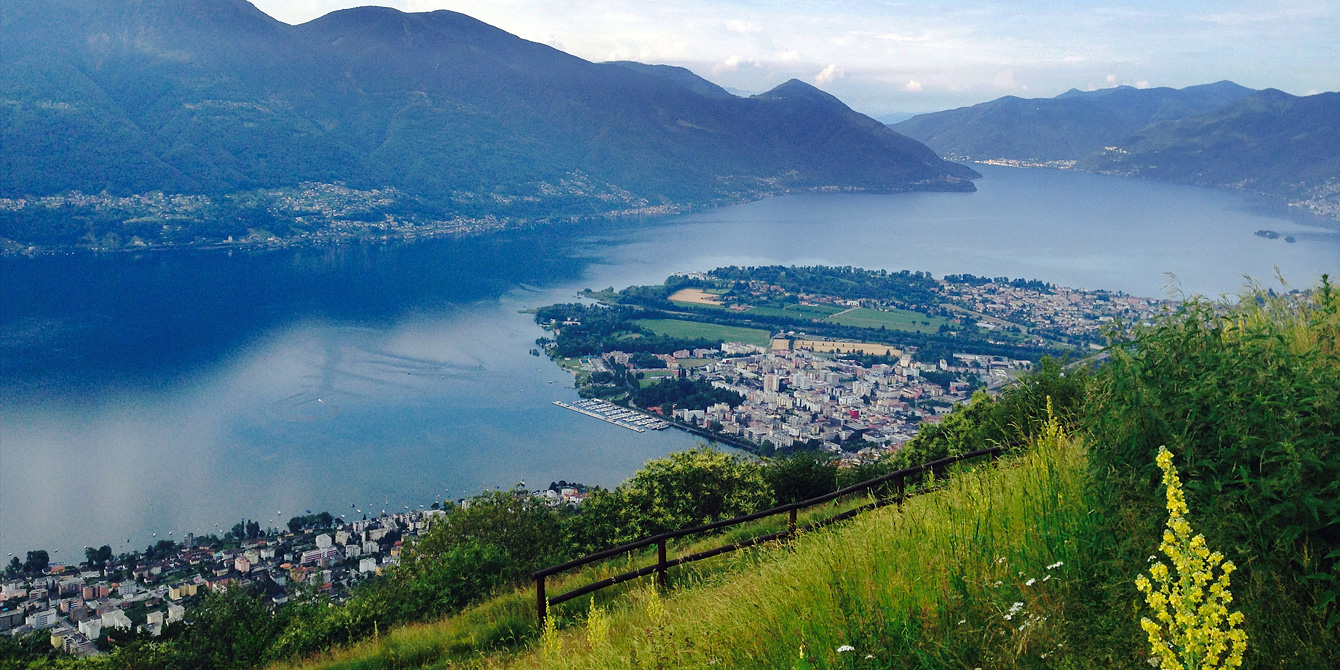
(1065,128)
(217,97)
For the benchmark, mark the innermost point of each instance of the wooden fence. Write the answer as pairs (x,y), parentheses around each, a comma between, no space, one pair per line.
(664,563)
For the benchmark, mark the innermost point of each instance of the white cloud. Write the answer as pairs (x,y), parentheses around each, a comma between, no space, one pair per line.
(729,65)
(1111,78)
(743,27)
(963,48)
(828,74)
(1142,84)
(913,86)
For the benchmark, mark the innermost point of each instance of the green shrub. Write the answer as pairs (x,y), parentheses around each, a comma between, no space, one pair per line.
(1249,394)
(801,476)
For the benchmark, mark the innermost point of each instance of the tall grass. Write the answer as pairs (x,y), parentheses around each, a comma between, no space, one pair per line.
(957,578)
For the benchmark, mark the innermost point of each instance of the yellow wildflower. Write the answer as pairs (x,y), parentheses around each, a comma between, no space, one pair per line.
(1194,629)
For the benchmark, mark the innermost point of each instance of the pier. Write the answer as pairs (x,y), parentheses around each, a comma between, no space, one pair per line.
(611,413)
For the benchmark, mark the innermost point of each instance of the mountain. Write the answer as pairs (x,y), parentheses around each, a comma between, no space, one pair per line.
(1067,127)
(681,76)
(1270,142)
(215,97)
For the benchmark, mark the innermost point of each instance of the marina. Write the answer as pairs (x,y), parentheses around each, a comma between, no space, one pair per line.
(611,413)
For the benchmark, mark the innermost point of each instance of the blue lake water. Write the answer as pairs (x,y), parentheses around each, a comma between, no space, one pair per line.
(173,391)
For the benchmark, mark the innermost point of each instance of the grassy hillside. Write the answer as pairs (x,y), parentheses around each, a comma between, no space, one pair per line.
(935,584)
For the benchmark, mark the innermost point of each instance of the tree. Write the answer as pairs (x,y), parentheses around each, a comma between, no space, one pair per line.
(15,566)
(691,488)
(524,528)
(37,561)
(801,476)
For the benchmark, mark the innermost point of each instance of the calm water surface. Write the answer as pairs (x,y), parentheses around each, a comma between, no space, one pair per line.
(175,391)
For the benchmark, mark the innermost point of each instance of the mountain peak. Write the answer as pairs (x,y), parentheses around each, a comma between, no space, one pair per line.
(795,89)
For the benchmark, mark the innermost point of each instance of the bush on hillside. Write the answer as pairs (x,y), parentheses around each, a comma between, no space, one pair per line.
(801,476)
(1249,394)
(687,488)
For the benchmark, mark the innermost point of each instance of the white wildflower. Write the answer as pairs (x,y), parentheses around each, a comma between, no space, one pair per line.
(846,648)
(1030,582)
(1058,564)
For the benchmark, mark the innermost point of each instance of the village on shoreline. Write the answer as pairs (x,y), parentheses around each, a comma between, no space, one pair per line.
(789,390)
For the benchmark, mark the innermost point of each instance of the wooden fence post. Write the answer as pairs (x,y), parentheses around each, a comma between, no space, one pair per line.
(541,602)
(791,522)
(660,566)
(902,490)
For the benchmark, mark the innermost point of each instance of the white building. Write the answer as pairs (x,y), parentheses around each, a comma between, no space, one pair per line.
(90,628)
(43,619)
(116,619)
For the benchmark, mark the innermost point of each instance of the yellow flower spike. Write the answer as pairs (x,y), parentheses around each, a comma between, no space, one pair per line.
(1197,632)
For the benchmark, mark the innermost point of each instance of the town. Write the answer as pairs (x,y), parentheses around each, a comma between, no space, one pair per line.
(858,400)
(86,607)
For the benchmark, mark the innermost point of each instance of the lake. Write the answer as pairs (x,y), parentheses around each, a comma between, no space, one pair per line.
(176,391)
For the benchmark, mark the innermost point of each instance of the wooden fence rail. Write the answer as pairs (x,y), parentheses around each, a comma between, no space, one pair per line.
(663,563)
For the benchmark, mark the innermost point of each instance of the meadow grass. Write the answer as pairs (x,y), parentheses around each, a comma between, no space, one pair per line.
(973,575)
(691,330)
(892,319)
(813,312)
(504,625)
(958,578)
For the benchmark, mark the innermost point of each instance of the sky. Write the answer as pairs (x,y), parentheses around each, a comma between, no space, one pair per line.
(883,57)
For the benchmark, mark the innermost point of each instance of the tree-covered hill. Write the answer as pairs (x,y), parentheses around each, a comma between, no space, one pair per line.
(1270,142)
(215,97)
(1067,127)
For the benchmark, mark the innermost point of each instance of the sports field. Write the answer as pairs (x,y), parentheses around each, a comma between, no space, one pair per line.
(893,319)
(708,331)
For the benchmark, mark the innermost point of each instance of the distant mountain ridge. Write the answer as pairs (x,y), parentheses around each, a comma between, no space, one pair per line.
(1220,134)
(1067,127)
(215,97)
(1270,142)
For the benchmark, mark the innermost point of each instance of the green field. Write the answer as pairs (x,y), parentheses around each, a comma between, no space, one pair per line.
(893,319)
(708,331)
(698,305)
(796,311)
(654,377)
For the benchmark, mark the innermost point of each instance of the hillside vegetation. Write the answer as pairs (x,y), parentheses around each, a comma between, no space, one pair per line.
(425,116)
(1067,127)
(1028,564)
